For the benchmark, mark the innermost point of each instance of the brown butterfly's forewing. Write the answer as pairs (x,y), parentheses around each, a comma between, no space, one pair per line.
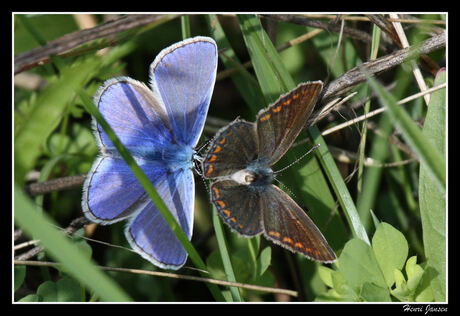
(232,149)
(280,124)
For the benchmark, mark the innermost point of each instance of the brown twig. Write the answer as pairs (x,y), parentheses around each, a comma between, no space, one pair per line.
(302,20)
(74,225)
(171,275)
(58,184)
(354,77)
(386,26)
(41,55)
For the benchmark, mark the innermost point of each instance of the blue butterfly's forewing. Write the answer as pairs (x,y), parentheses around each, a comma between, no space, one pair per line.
(183,75)
(134,113)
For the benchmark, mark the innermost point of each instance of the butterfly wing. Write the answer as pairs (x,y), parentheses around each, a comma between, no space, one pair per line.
(149,233)
(238,206)
(233,147)
(135,115)
(280,124)
(183,77)
(111,192)
(286,224)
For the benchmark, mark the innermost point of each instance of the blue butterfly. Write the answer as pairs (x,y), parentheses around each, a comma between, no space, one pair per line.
(160,126)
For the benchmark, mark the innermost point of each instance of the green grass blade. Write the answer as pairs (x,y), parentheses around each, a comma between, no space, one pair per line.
(243,80)
(339,186)
(151,191)
(432,198)
(223,250)
(185,26)
(362,146)
(273,77)
(40,226)
(379,152)
(428,154)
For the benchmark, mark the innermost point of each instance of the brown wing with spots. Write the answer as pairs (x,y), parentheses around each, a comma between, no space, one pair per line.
(231,150)
(286,224)
(280,124)
(238,206)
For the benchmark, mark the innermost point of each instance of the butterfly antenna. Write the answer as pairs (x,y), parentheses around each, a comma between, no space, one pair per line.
(203,145)
(298,159)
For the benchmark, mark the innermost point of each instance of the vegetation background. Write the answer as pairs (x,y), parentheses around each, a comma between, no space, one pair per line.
(376,189)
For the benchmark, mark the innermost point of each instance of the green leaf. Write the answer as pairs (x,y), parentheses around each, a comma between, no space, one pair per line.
(414,273)
(398,277)
(46,113)
(47,291)
(64,290)
(263,261)
(19,276)
(390,249)
(358,265)
(325,274)
(30,298)
(374,293)
(432,197)
(215,266)
(424,292)
(68,290)
(342,288)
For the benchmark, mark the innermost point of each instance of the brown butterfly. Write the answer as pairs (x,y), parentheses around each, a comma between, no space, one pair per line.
(239,160)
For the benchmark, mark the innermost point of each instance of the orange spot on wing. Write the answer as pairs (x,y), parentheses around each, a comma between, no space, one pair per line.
(298,245)
(265,117)
(233,219)
(221,203)
(277,109)
(217,149)
(288,240)
(274,234)
(216,192)
(210,170)
(223,141)
(227,212)
(213,158)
